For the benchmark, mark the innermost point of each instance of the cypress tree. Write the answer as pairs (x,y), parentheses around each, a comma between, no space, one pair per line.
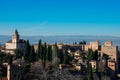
(49,54)
(9,59)
(57,51)
(90,76)
(27,51)
(44,54)
(50,58)
(45,50)
(84,42)
(90,54)
(17,55)
(101,75)
(95,55)
(66,61)
(32,57)
(18,77)
(61,56)
(40,50)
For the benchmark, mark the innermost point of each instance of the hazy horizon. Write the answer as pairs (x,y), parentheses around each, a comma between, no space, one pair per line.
(60,35)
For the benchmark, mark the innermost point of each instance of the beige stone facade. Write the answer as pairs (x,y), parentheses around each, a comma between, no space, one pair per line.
(112,53)
(107,49)
(15,43)
(93,64)
(36,47)
(111,65)
(77,55)
(86,47)
(94,45)
(108,43)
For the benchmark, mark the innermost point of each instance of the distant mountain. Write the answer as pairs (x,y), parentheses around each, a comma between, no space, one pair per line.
(4,38)
(65,39)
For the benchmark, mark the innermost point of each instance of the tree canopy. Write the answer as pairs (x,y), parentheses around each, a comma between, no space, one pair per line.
(27,51)
(32,56)
(90,75)
(40,50)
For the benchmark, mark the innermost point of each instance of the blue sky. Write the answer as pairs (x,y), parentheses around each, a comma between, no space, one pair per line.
(60,17)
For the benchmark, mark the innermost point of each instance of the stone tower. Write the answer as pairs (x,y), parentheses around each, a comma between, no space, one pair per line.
(15,38)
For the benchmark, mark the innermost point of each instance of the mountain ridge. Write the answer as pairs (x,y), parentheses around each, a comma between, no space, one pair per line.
(60,38)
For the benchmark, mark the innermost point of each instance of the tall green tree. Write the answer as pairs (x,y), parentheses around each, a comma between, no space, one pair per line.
(82,42)
(57,50)
(3,72)
(90,54)
(95,55)
(61,56)
(101,75)
(49,54)
(27,51)
(44,54)
(90,75)
(17,55)
(10,59)
(40,50)
(45,50)
(18,77)
(32,56)
(66,58)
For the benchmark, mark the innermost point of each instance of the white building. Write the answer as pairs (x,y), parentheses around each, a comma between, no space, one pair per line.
(15,43)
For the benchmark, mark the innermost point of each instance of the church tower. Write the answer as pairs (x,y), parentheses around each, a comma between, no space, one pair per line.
(15,37)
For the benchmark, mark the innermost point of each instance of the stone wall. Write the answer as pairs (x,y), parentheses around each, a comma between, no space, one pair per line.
(111,51)
(94,45)
(108,43)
